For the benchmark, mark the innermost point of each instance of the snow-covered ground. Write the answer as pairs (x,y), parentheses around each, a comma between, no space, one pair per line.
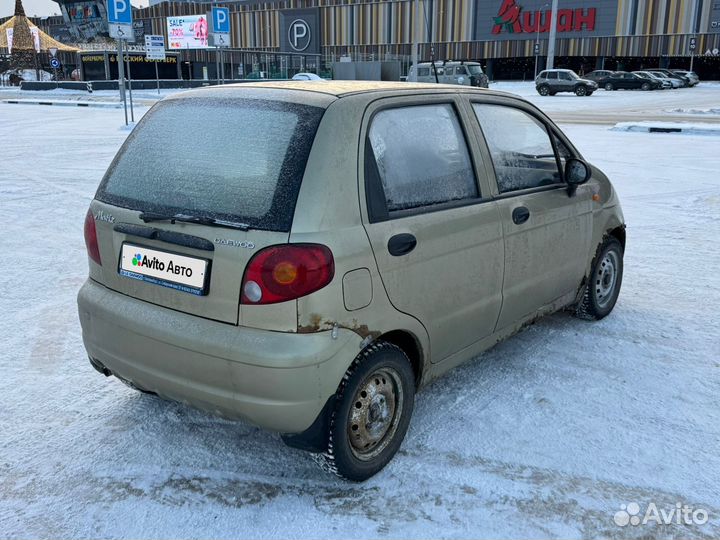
(547,434)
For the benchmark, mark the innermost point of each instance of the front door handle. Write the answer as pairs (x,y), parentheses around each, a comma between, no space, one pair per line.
(401,244)
(520,215)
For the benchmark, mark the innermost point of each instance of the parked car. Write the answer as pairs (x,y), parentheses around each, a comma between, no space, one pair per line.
(307,77)
(669,73)
(255,273)
(665,83)
(551,81)
(449,72)
(675,82)
(691,76)
(628,81)
(598,74)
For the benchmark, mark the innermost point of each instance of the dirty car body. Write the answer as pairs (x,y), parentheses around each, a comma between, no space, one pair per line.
(331,248)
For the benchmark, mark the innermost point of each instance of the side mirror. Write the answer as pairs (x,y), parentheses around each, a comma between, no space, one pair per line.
(577,172)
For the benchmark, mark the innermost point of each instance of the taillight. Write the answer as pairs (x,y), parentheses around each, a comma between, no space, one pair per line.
(91,242)
(281,273)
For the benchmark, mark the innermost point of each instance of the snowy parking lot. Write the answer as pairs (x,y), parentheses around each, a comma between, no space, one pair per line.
(555,432)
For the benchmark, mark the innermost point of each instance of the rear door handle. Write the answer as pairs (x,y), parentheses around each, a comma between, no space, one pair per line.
(520,215)
(401,244)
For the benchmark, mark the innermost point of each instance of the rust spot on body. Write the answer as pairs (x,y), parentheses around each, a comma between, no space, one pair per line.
(316,324)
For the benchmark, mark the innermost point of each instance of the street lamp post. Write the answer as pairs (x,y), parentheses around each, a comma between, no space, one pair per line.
(553,32)
(537,36)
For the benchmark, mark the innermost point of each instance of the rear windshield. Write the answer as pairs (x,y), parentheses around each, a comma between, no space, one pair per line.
(236,160)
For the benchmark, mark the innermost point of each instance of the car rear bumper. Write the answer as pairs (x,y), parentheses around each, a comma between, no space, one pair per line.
(277,380)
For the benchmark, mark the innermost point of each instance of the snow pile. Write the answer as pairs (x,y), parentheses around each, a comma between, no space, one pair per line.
(711,111)
(26,75)
(685,128)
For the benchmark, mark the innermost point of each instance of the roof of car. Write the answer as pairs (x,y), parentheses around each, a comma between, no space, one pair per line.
(449,62)
(331,88)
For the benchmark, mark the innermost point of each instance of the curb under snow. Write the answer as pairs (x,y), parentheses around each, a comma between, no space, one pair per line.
(668,127)
(65,103)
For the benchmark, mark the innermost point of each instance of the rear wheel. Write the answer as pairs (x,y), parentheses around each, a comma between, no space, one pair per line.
(543,90)
(372,413)
(609,86)
(580,91)
(603,286)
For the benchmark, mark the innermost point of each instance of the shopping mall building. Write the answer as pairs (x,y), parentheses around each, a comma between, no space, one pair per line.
(501,34)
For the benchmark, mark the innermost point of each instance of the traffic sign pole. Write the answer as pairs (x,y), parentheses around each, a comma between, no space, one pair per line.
(219,19)
(120,27)
(121,76)
(132,111)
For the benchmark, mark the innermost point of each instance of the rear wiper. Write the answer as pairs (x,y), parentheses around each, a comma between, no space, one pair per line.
(147,217)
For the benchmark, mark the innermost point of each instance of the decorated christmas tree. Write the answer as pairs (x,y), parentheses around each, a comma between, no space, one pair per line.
(23,48)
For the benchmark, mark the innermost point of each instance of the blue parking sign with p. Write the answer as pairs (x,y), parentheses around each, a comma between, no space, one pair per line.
(220,20)
(119,12)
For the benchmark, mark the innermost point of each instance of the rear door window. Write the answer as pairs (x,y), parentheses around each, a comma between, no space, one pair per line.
(420,157)
(232,159)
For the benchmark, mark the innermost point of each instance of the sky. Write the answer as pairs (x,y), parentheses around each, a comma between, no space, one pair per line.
(42,8)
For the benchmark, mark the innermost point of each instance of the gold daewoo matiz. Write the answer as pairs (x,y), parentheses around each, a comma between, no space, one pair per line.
(306,255)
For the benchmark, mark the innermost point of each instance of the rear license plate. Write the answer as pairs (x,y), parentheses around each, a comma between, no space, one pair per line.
(187,274)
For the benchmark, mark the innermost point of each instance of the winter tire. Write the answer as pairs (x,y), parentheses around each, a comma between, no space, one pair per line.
(372,413)
(604,282)
(543,90)
(645,87)
(580,91)
(609,87)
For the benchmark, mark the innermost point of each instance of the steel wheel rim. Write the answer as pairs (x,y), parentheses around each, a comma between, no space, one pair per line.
(605,279)
(543,91)
(375,413)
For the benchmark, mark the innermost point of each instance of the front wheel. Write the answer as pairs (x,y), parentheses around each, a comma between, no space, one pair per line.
(580,91)
(372,413)
(543,90)
(609,86)
(604,282)
(645,86)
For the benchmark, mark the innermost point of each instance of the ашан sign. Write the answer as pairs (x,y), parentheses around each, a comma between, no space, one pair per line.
(511,18)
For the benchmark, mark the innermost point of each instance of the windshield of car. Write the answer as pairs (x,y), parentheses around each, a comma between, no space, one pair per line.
(475,70)
(572,75)
(238,160)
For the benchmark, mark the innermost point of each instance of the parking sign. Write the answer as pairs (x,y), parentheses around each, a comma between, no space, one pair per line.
(119,12)
(220,20)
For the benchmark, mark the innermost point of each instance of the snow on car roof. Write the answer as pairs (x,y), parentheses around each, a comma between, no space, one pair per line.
(332,88)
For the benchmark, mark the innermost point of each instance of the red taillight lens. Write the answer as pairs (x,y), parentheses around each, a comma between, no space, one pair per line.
(91,242)
(281,273)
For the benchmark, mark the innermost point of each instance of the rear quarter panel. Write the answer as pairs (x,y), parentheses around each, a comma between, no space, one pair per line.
(328,212)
